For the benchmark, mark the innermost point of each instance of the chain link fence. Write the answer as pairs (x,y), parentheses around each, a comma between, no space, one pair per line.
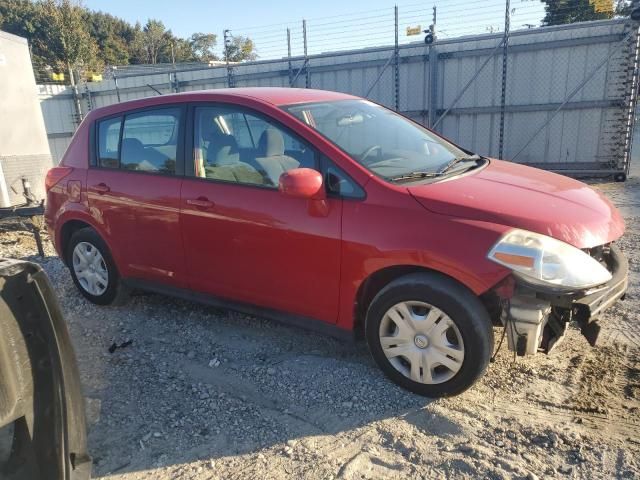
(480,73)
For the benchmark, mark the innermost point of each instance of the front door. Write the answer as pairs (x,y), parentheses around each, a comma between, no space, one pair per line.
(246,241)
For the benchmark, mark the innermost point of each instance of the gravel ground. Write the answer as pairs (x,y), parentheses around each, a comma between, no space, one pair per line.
(202,393)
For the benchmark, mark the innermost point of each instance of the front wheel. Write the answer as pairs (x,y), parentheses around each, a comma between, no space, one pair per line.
(429,334)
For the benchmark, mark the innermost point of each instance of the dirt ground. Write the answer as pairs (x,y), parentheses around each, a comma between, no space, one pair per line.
(203,393)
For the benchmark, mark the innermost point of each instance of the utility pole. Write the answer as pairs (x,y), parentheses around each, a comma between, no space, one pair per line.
(227,46)
(503,95)
(396,64)
(307,74)
(289,57)
(432,94)
(76,94)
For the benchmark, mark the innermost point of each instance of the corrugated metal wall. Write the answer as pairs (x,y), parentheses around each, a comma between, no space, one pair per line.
(568,90)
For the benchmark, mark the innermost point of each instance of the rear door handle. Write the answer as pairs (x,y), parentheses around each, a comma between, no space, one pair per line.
(200,202)
(101,188)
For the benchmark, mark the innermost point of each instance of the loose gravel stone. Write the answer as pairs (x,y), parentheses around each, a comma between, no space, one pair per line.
(235,396)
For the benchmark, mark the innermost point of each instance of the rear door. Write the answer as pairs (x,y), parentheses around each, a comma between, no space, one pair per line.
(134,191)
(244,240)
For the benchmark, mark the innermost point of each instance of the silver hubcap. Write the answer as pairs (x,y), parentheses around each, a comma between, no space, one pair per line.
(90,269)
(421,342)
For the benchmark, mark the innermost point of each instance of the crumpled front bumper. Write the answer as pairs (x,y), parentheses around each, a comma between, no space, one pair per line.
(588,307)
(536,319)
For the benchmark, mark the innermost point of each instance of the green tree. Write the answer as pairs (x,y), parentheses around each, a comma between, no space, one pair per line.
(65,35)
(623,8)
(183,50)
(154,39)
(241,49)
(113,36)
(202,46)
(68,35)
(559,12)
(26,19)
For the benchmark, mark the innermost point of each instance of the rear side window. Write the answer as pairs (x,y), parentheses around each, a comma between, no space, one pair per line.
(109,142)
(150,141)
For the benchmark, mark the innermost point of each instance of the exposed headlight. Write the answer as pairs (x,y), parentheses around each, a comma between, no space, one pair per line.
(546,261)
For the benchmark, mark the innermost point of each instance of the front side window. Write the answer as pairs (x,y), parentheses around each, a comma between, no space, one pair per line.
(109,142)
(150,141)
(384,142)
(234,145)
(338,183)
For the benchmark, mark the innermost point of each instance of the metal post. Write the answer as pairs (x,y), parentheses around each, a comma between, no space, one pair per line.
(227,44)
(175,85)
(503,95)
(632,99)
(115,80)
(87,92)
(433,75)
(76,96)
(396,64)
(306,57)
(4,191)
(289,57)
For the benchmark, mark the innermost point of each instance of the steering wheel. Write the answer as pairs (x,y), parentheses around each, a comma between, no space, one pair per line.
(369,151)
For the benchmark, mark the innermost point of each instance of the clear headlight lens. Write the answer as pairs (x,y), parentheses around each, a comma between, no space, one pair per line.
(546,261)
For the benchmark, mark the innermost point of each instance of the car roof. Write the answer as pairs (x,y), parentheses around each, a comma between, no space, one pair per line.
(281,95)
(274,95)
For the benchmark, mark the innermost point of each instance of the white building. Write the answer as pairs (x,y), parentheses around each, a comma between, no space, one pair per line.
(24,149)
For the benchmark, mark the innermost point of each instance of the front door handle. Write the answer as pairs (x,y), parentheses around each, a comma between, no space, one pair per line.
(100,188)
(200,202)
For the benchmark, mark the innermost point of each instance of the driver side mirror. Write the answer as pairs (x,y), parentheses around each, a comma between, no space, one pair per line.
(302,183)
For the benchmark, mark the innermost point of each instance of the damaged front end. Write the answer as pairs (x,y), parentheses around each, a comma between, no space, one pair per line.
(535,317)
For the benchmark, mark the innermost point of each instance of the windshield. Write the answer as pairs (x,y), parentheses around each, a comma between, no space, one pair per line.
(384,142)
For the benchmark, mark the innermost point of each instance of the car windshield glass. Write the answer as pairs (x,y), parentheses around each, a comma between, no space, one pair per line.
(386,143)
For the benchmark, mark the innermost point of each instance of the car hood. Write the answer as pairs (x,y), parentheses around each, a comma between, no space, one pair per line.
(528,198)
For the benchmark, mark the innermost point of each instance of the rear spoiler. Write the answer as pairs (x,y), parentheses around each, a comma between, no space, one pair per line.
(40,393)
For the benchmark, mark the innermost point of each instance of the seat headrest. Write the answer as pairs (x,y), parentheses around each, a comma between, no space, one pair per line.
(208,128)
(271,143)
(225,150)
(132,146)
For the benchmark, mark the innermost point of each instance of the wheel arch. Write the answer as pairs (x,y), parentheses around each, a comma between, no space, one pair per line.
(66,232)
(377,280)
(71,225)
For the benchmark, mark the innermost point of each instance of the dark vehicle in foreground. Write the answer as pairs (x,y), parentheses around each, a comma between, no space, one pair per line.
(332,212)
(42,420)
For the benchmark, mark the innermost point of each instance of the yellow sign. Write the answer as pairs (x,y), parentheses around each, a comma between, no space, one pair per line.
(414,30)
(57,77)
(96,78)
(602,6)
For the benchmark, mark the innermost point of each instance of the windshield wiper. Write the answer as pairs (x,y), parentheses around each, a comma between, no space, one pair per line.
(457,160)
(411,175)
(439,173)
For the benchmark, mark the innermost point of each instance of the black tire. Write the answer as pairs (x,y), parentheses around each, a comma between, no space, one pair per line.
(456,301)
(620,177)
(116,292)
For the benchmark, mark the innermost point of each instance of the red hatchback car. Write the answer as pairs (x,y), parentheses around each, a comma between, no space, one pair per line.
(330,211)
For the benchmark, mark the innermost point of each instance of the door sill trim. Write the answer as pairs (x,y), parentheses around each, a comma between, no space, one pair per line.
(300,321)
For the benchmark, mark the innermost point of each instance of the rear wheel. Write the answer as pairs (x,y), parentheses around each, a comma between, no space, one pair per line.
(92,268)
(429,334)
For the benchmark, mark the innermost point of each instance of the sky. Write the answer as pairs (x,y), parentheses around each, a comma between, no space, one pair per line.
(331,24)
